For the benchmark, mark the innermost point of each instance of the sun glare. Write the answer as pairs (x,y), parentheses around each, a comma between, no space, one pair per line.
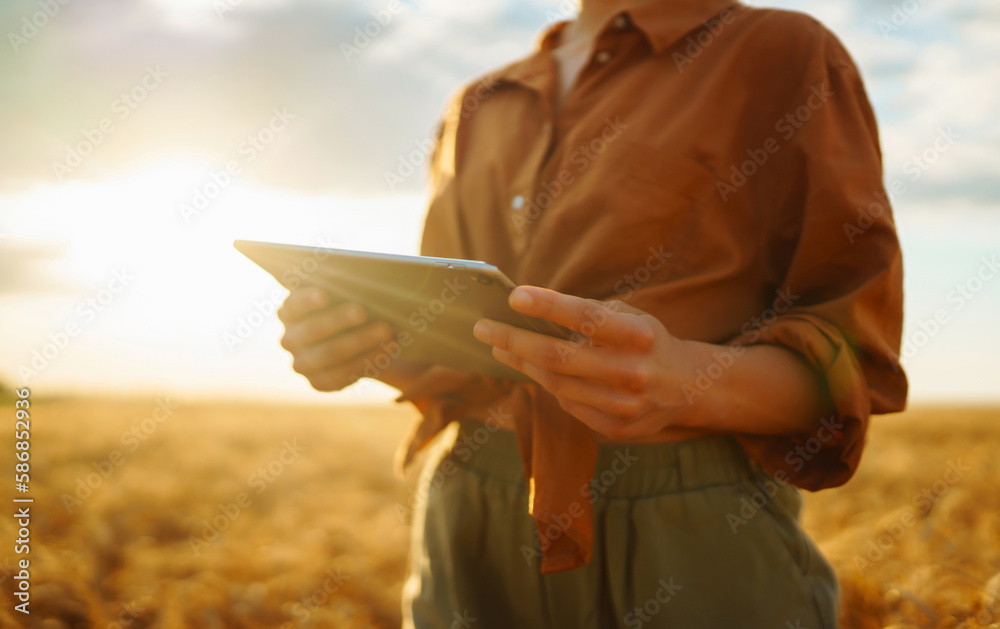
(187,287)
(168,228)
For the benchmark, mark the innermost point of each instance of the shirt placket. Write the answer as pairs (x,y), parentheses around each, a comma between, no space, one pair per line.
(528,200)
(523,206)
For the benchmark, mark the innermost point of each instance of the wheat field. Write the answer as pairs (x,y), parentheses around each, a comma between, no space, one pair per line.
(164,513)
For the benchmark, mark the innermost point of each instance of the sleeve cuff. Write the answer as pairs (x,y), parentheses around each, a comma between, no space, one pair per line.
(828,456)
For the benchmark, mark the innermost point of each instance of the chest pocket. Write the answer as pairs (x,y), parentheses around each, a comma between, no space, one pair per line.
(659,199)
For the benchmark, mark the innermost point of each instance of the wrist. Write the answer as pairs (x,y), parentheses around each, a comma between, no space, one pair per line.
(696,390)
(401,374)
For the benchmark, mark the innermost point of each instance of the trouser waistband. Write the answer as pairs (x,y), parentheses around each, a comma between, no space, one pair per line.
(622,470)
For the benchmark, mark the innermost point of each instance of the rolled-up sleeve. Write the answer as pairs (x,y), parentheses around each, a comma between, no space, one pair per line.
(837,260)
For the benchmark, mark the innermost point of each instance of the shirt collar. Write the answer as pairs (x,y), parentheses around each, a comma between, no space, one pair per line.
(666,21)
(662,21)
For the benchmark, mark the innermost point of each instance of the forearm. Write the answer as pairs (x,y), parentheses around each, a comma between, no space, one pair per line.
(767,390)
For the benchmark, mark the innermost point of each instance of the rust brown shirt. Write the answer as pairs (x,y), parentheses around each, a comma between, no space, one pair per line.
(714,165)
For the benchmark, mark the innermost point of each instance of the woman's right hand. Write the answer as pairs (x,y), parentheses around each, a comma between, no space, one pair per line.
(330,343)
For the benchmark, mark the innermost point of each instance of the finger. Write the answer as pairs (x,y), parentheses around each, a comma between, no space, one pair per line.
(600,364)
(599,395)
(301,302)
(341,376)
(613,428)
(321,324)
(341,349)
(606,323)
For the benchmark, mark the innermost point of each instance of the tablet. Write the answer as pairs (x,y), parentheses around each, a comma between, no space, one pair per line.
(432,303)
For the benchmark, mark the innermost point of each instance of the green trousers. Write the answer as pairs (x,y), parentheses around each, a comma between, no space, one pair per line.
(688,535)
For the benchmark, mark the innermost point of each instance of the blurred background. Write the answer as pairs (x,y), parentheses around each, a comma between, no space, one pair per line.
(119,120)
(139,138)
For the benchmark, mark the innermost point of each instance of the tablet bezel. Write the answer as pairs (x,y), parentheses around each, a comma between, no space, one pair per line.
(380,279)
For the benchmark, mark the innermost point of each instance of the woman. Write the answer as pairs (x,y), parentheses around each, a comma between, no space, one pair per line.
(695,188)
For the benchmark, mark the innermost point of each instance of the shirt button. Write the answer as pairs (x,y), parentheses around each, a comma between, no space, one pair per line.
(602,57)
(621,22)
(517,202)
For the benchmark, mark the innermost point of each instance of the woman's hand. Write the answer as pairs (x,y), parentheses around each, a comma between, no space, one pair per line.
(625,384)
(333,346)
(630,381)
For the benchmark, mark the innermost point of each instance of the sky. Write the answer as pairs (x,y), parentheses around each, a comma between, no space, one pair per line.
(138,139)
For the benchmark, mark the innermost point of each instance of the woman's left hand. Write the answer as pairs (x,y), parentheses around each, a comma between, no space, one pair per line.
(625,384)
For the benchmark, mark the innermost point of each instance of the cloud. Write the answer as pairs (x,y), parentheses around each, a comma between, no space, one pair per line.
(355,114)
